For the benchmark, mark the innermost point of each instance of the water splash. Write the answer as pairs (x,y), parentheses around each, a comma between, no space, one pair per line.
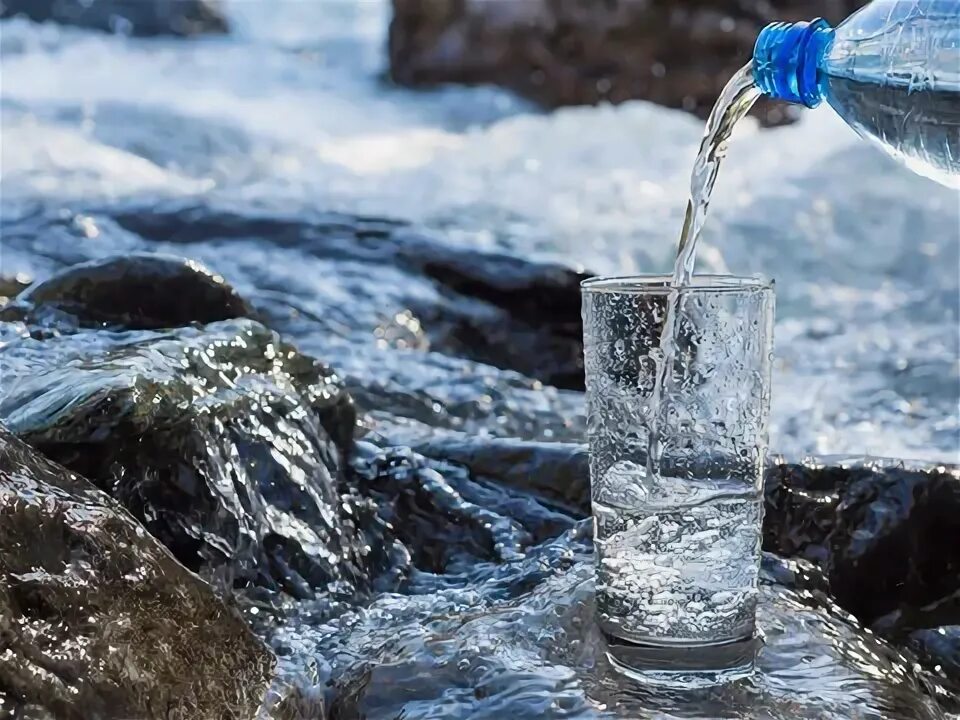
(735,101)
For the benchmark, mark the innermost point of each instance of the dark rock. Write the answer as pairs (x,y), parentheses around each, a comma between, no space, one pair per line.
(448,533)
(138,292)
(98,621)
(678,53)
(534,327)
(896,540)
(223,440)
(462,508)
(886,536)
(940,649)
(10,287)
(899,622)
(133,17)
(512,635)
(801,509)
(356,292)
(236,450)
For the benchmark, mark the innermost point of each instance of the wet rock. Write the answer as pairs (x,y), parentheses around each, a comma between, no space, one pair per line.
(886,536)
(446,531)
(513,635)
(941,612)
(936,643)
(520,643)
(138,292)
(565,52)
(883,534)
(98,621)
(868,524)
(10,287)
(418,292)
(558,472)
(236,450)
(227,444)
(368,296)
(450,518)
(133,17)
(534,327)
(895,541)
(940,649)
(801,505)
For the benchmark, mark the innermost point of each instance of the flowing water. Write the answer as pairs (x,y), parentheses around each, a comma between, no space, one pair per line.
(453,579)
(866,341)
(735,101)
(639,536)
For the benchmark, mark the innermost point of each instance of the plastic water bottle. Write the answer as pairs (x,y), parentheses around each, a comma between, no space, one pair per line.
(891,71)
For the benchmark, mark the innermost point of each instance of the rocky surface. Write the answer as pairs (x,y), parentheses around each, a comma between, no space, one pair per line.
(565,52)
(407,290)
(516,638)
(98,621)
(137,293)
(130,17)
(882,532)
(224,440)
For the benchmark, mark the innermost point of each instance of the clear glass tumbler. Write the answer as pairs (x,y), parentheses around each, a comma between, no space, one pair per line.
(678,436)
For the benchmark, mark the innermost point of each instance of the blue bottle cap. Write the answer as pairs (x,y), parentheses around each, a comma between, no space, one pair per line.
(787,57)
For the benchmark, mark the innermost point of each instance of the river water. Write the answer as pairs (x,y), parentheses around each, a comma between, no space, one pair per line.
(293,112)
(235,150)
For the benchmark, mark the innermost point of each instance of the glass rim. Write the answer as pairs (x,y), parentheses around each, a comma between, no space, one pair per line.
(662,284)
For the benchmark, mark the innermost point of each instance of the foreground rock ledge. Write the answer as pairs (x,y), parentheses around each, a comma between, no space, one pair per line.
(98,621)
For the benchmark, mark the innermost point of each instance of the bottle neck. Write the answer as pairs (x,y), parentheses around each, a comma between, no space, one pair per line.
(787,60)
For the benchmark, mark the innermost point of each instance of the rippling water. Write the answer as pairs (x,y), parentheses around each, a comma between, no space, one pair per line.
(292,113)
(468,594)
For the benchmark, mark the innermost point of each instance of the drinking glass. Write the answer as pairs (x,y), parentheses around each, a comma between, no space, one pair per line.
(678,396)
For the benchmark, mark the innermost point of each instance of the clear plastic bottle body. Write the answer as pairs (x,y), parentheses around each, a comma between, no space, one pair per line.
(892,73)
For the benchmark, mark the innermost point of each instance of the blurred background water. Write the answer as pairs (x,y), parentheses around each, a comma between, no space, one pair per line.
(292,110)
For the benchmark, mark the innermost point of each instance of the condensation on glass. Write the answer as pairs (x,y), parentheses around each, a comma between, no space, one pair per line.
(676,470)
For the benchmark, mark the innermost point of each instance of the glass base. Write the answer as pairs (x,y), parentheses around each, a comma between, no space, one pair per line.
(683,665)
